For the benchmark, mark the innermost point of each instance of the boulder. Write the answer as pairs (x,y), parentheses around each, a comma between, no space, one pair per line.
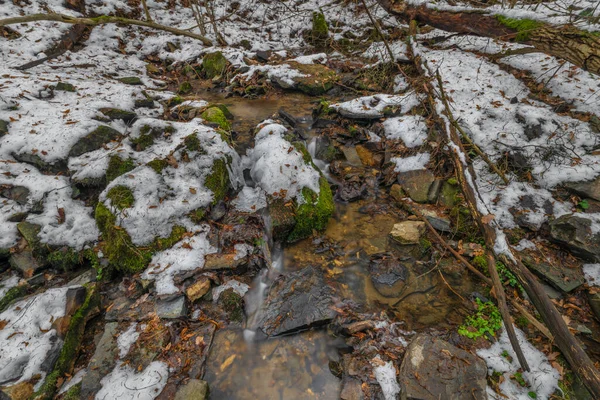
(94,140)
(589,189)
(408,232)
(575,233)
(417,184)
(297,301)
(433,369)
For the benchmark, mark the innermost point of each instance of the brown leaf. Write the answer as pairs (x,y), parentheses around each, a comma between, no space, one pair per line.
(3,323)
(172,161)
(61,216)
(192,190)
(486,219)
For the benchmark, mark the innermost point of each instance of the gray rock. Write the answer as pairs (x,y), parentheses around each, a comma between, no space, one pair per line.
(590,189)
(351,389)
(75,298)
(408,232)
(594,299)
(575,233)
(433,369)
(194,389)
(3,127)
(170,309)
(84,278)
(39,163)
(388,274)
(102,362)
(94,140)
(25,262)
(417,184)
(52,354)
(115,113)
(434,190)
(17,193)
(297,301)
(562,278)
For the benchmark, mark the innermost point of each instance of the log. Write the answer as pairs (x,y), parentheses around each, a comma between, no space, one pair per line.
(579,47)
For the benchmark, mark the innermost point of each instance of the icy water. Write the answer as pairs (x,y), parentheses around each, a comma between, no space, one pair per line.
(297,366)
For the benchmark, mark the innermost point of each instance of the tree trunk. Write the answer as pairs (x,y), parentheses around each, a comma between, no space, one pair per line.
(567,42)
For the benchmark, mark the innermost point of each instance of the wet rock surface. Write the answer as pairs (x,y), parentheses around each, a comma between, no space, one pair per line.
(575,233)
(388,273)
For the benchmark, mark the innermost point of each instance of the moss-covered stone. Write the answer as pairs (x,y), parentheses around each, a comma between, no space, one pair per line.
(68,354)
(65,87)
(131,80)
(30,232)
(283,219)
(233,304)
(314,214)
(65,259)
(158,165)
(121,197)
(224,110)
(115,113)
(176,235)
(320,29)
(173,101)
(449,194)
(120,251)
(214,64)
(11,295)
(318,78)
(185,88)
(524,27)
(216,116)
(117,167)
(74,393)
(94,140)
(192,143)
(218,180)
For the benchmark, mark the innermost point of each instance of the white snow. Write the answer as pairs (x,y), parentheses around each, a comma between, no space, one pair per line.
(250,199)
(411,129)
(124,383)
(127,338)
(411,163)
(186,255)
(592,274)
(542,379)
(29,335)
(385,373)
(8,283)
(75,379)
(238,287)
(373,106)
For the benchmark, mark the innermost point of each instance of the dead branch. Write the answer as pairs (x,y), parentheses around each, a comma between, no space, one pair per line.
(67,19)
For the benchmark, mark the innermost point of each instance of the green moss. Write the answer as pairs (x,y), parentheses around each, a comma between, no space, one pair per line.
(317,78)
(197,215)
(177,233)
(68,353)
(65,87)
(131,80)
(224,109)
(314,214)
(121,197)
(145,139)
(158,165)
(480,262)
(324,108)
(192,143)
(185,88)
(218,180)
(173,101)
(74,393)
(64,259)
(524,27)
(11,295)
(214,64)
(452,181)
(425,244)
(117,167)
(233,305)
(215,115)
(320,30)
(465,225)
(305,154)
(119,249)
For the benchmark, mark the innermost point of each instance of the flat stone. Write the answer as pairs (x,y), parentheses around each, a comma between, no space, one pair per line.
(198,289)
(84,278)
(440,223)
(75,298)
(94,140)
(388,274)
(170,309)
(417,184)
(25,262)
(102,362)
(115,113)
(408,232)
(218,261)
(351,389)
(575,233)
(433,369)
(589,189)
(194,389)
(297,301)
(17,193)
(434,191)
(562,278)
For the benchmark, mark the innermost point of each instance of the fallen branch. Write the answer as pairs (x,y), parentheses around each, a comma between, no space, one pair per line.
(67,19)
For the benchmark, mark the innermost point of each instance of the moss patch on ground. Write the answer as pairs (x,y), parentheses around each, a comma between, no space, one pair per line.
(319,79)
(314,214)
(11,295)
(158,165)
(65,259)
(216,116)
(117,167)
(218,180)
(121,197)
(320,29)
(214,64)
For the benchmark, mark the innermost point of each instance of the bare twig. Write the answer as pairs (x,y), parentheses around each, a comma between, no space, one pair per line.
(146,11)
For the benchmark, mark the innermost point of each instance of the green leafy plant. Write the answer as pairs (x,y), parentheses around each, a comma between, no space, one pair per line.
(486,321)
(583,204)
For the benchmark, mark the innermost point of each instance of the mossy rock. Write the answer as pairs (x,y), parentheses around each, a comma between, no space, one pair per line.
(192,143)
(68,354)
(318,81)
(64,259)
(30,232)
(131,80)
(320,29)
(11,295)
(65,87)
(158,165)
(94,140)
(233,304)
(173,101)
(3,127)
(449,194)
(283,219)
(117,167)
(218,180)
(314,214)
(223,109)
(216,116)
(185,88)
(214,64)
(116,113)
(121,197)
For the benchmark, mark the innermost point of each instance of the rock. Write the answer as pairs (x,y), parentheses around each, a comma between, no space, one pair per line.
(326,151)
(65,87)
(562,278)
(575,233)
(25,262)
(408,232)
(20,391)
(434,191)
(441,224)
(170,309)
(315,79)
(144,103)
(122,309)
(417,184)
(368,157)
(84,278)
(351,389)
(194,389)
(75,298)
(198,289)
(214,64)
(388,274)
(218,211)
(594,299)
(433,369)
(3,127)
(39,163)
(216,261)
(216,116)
(589,189)
(94,140)
(115,113)
(263,55)
(297,301)
(397,193)
(449,193)
(283,219)
(287,117)
(131,80)
(102,362)
(17,193)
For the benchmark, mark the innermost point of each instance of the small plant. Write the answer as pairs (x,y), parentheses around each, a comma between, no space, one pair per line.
(583,204)
(518,376)
(486,321)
